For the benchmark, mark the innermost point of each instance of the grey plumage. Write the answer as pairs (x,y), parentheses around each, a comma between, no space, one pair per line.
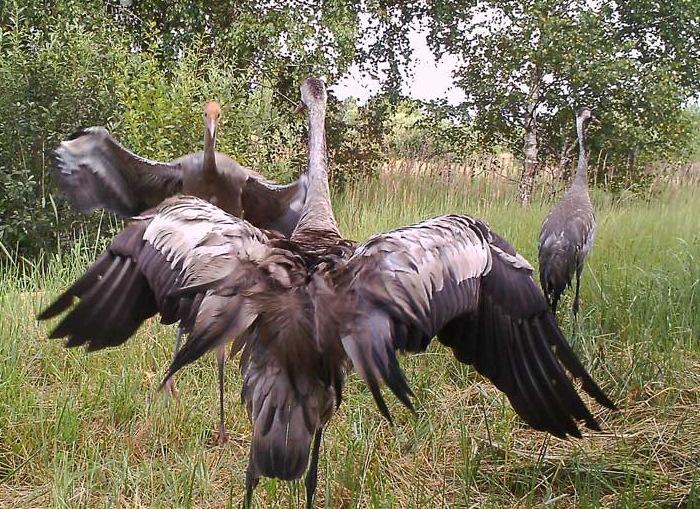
(567,234)
(95,171)
(306,309)
(317,220)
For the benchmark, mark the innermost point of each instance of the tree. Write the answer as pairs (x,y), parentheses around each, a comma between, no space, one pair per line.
(526,65)
(143,69)
(274,42)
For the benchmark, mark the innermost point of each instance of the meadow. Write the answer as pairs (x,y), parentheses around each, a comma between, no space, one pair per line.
(80,430)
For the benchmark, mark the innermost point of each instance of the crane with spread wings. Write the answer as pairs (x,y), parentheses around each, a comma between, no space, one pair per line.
(303,311)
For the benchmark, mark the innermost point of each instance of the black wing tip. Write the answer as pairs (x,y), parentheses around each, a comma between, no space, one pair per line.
(56,308)
(384,409)
(591,424)
(575,410)
(57,334)
(393,376)
(603,399)
(576,368)
(71,342)
(595,392)
(594,425)
(93,346)
(379,399)
(387,415)
(402,392)
(566,434)
(186,355)
(165,380)
(47,314)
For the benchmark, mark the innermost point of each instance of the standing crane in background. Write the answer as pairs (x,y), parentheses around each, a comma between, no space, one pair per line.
(568,231)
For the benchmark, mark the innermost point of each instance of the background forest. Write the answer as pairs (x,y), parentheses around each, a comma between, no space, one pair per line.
(143,69)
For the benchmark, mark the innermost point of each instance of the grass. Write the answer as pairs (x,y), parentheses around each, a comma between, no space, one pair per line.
(80,430)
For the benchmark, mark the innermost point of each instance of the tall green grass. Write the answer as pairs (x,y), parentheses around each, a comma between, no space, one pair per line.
(80,430)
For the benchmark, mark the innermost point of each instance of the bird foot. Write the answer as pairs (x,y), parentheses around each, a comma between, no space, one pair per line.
(221,436)
(170,389)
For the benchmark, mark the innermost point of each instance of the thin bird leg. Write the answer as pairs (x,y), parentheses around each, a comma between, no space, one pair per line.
(555,303)
(170,383)
(574,308)
(312,473)
(250,483)
(222,438)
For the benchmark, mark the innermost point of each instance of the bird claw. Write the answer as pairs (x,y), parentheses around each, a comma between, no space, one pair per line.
(170,389)
(221,436)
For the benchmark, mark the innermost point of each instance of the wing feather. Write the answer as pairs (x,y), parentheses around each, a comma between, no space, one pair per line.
(95,171)
(454,278)
(147,268)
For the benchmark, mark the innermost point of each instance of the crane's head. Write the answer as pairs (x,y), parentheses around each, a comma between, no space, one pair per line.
(212,113)
(313,95)
(584,114)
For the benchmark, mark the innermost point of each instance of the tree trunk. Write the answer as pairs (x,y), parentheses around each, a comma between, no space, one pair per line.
(530,149)
(527,177)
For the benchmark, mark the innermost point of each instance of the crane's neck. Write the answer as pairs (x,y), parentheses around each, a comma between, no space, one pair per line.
(209,164)
(317,212)
(581,177)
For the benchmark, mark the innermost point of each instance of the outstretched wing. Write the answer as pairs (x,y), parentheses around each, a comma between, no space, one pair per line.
(454,278)
(272,206)
(264,204)
(95,171)
(169,261)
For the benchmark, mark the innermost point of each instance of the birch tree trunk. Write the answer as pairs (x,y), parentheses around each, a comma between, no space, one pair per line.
(530,149)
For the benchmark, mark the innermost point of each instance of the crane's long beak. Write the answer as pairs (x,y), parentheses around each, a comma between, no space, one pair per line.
(211,127)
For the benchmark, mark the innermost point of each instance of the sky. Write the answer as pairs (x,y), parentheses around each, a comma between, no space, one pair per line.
(431,79)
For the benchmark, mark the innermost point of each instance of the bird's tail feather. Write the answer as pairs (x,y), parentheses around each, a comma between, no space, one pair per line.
(283,425)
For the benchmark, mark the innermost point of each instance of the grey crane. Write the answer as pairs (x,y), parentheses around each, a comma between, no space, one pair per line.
(568,231)
(304,310)
(95,171)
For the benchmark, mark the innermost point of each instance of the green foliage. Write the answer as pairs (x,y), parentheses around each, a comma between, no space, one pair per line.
(52,80)
(144,72)
(281,42)
(424,132)
(689,141)
(356,138)
(635,64)
(161,113)
(144,68)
